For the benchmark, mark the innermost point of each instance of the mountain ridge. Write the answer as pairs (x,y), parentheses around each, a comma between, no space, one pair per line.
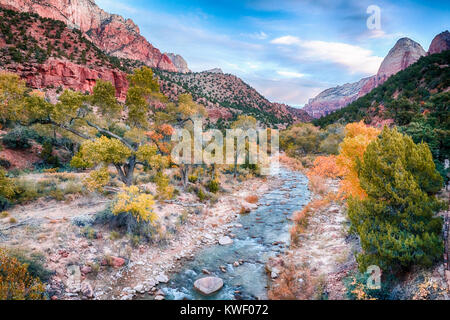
(404,53)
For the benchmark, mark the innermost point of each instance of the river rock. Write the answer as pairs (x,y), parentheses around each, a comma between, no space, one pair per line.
(86,290)
(208,285)
(224,241)
(159,298)
(140,288)
(162,278)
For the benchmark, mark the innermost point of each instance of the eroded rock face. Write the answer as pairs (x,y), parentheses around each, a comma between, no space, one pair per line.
(112,33)
(401,56)
(440,43)
(61,72)
(208,285)
(179,62)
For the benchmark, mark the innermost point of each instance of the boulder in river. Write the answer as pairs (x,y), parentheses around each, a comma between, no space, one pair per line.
(208,285)
(223,241)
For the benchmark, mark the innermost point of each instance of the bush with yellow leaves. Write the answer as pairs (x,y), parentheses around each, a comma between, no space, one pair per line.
(139,205)
(15,281)
(97,179)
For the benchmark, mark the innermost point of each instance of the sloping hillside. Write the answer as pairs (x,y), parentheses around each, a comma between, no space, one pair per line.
(226,91)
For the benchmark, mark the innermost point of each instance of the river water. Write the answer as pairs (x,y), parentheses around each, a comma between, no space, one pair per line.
(258,235)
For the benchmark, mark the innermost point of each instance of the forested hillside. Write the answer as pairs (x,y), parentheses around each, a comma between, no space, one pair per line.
(416,99)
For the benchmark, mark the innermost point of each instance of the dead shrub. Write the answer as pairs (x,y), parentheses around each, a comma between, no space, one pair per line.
(252,199)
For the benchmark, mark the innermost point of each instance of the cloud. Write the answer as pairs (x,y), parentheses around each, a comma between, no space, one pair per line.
(291,74)
(354,58)
(286,40)
(381,34)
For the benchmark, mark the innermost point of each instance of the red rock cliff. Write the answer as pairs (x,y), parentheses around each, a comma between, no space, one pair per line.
(111,33)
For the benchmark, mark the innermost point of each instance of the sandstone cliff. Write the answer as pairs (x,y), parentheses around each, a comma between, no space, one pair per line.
(111,33)
(440,43)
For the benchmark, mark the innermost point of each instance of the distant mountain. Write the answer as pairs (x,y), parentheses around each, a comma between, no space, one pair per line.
(403,54)
(226,96)
(415,87)
(440,43)
(335,98)
(111,33)
(179,62)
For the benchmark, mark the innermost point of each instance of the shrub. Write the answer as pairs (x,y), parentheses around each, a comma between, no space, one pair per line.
(8,188)
(193,179)
(35,263)
(201,195)
(19,138)
(396,222)
(16,283)
(47,155)
(213,186)
(97,179)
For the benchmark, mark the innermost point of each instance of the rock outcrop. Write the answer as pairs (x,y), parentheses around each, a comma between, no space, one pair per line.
(56,73)
(214,70)
(440,43)
(402,55)
(179,62)
(111,33)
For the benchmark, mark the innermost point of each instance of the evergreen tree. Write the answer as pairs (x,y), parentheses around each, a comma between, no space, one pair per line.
(396,222)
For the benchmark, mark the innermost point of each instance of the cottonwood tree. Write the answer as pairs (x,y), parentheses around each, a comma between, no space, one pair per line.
(112,133)
(243,123)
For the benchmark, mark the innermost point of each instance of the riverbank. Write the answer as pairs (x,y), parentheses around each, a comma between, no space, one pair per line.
(322,260)
(91,261)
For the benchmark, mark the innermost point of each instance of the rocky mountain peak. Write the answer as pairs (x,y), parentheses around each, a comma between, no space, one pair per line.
(440,43)
(402,55)
(179,62)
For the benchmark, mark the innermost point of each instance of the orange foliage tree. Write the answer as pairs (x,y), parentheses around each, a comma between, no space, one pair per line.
(357,137)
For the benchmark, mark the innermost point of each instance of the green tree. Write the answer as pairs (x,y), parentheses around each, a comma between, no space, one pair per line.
(396,222)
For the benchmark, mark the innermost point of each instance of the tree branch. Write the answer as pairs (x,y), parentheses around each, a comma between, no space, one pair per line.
(125,142)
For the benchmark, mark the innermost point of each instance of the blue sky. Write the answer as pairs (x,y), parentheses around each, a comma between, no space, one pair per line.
(289,50)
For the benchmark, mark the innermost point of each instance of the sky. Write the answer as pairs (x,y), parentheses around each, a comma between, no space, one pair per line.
(288,50)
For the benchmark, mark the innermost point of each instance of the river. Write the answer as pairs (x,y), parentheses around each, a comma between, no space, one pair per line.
(258,235)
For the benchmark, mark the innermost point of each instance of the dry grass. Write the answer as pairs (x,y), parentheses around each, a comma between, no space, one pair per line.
(293,284)
(317,185)
(301,218)
(292,163)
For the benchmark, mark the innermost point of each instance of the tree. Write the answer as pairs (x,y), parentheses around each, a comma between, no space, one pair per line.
(89,118)
(243,123)
(396,222)
(301,139)
(12,91)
